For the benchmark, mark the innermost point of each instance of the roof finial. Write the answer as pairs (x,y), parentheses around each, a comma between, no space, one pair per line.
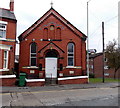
(51,4)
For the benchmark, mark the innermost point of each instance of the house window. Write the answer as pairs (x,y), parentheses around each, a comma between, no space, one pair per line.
(33,54)
(2,30)
(5,65)
(70,54)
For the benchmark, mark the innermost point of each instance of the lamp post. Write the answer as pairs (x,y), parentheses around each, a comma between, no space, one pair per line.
(88,41)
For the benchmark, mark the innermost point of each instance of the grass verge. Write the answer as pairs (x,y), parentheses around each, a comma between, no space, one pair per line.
(99,80)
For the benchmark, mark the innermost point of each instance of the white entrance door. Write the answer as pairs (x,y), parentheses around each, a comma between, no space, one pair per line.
(51,67)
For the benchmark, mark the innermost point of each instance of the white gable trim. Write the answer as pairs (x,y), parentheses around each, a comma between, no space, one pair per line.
(64,21)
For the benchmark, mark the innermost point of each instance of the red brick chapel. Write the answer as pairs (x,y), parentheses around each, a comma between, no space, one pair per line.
(53,51)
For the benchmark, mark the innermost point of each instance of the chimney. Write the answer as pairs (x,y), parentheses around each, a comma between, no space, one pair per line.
(11,5)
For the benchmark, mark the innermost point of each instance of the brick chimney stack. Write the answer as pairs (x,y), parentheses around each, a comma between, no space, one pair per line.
(11,5)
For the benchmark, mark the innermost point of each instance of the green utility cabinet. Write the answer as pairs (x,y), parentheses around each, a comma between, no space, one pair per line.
(22,79)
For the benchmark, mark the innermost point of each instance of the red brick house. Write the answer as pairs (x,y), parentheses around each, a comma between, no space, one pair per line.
(52,50)
(7,44)
(96,66)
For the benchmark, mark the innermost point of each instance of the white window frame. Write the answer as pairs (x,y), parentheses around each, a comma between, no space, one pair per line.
(3,29)
(5,59)
(33,53)
(70,53)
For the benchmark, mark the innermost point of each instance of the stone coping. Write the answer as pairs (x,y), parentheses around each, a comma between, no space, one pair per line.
(34,80)
(7,76)
(76,77)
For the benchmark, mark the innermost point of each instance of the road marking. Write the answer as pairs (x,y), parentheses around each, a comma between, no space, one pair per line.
(106,88)
(42,91)
(49,91)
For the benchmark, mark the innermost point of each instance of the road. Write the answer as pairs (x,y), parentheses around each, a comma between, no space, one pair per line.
(72,97)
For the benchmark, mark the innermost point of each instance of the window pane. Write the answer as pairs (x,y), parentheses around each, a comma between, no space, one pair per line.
(5,54)
(2,26)
(70,54)
(5,63)
(70,61)
(2,33)
(33,48)
(5,59)
(33,61)
(70,47)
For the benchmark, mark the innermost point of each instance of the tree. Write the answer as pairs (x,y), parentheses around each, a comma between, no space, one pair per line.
(113,56)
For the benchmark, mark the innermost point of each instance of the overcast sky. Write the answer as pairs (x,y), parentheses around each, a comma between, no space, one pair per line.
(75,11)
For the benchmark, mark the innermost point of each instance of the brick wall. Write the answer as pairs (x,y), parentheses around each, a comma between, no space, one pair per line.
(31,84)
(98,68)
(74,81)
(8,81)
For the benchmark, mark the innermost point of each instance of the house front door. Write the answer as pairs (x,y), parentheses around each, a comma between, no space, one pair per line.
(50,70)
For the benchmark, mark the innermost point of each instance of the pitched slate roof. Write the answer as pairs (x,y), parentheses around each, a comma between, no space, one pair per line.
(95,55)
(4,13)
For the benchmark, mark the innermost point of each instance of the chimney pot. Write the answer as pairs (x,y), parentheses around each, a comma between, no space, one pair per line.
(11,5)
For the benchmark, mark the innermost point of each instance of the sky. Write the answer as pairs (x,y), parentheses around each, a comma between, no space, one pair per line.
(75,11)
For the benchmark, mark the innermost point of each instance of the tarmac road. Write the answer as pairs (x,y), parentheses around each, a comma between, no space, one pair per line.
(69,96)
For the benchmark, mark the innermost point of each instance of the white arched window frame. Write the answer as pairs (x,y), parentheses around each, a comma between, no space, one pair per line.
(33,54)
(70,54)
(5,65)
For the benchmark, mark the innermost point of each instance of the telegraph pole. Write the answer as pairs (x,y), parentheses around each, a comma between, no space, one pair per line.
(103,50)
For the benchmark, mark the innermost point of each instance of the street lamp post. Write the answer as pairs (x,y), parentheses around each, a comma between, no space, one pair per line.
(88,41)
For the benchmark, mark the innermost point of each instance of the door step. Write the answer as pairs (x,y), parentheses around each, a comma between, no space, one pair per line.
(50,81)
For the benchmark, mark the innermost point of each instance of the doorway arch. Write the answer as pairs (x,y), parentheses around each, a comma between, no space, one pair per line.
(51,53)
(51,62)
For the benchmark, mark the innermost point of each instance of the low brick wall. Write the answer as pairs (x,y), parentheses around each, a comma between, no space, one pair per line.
(31,84)
(7,80)
(35,82)
(65,80)
(74,81)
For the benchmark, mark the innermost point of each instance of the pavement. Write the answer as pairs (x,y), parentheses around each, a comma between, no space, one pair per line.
(58,87)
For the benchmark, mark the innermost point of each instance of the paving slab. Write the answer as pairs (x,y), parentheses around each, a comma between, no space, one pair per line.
(58,87)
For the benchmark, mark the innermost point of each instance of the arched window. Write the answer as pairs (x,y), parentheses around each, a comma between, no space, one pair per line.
(52,32)
(58,33)
(33,48)
(71,54)
(45,33)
